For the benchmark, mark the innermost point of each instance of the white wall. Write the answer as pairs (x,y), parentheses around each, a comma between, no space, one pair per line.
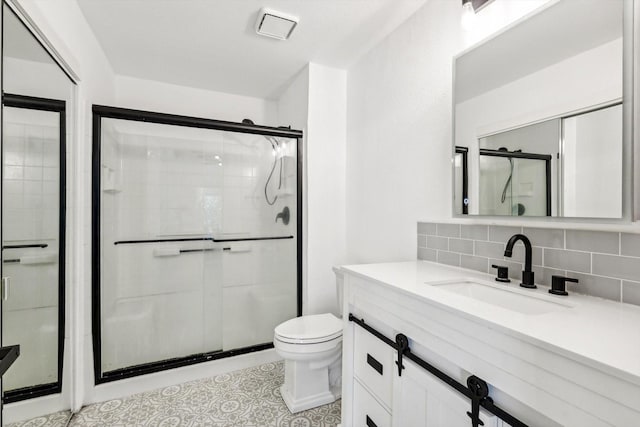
(592,172)
(399,127)
(315,101)
(325,169)
(168,98)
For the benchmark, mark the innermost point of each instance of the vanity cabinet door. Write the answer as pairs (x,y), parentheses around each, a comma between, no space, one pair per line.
(367,411)
(422,400)
(373,365)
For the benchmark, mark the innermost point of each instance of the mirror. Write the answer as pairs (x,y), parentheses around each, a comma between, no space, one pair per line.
(35,96)
(539,118)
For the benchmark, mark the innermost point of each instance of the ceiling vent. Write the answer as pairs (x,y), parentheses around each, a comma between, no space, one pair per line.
(274,24)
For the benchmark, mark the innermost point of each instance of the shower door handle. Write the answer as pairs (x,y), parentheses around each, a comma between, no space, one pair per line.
(6,283)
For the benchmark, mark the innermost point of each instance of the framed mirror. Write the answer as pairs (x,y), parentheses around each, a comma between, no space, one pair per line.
(36,94)
(539,109)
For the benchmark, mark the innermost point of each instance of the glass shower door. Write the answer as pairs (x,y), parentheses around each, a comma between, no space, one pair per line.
(33,243)
(198,250)
(514,184)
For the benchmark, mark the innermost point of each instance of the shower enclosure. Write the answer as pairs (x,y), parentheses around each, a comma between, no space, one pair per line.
(514,183)
(33,247)
(196,239)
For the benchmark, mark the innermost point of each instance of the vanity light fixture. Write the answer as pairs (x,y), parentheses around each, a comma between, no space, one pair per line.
(277,25)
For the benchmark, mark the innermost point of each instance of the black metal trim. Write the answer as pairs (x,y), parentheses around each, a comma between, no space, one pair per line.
(370,422)
(514,155)
(405,351)
(96,329)
(548,177)
(99,112)
(200,239)
(187,251)
(194,122)
(35,245)
(465,177)
(152,367)
(57,106)
(31,392)
(299,216)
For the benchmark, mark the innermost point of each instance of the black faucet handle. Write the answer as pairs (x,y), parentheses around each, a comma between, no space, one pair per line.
(559,285)
(503,273)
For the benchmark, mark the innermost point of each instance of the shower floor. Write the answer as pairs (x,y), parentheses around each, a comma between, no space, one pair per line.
(246,398)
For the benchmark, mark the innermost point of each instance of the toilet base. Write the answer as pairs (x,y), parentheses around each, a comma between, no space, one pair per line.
(308,402)
(307,386)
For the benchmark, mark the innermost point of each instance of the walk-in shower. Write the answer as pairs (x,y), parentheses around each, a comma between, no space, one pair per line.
(192,258)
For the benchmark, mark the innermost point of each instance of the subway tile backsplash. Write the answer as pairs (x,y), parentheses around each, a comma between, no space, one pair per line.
(607,264)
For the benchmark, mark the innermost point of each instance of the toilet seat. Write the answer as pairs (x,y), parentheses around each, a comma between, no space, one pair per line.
(312,329)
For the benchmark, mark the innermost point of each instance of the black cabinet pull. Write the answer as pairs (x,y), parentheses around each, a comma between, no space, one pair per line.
(371,361)
(370,422)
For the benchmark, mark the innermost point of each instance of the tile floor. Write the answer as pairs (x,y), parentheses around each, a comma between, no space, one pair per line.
(247,398)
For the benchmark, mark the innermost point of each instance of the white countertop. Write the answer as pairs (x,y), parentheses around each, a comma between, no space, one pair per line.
(600,333)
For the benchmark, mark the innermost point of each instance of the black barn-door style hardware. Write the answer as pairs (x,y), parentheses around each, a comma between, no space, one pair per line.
(476,389)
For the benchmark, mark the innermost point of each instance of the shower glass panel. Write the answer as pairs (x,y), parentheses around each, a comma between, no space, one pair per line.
(196,260)
(512,184)
(32,253)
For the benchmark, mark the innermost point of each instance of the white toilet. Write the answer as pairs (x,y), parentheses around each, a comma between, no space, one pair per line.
(311,347)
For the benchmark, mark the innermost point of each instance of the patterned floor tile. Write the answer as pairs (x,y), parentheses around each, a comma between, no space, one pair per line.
(59,419)
(247,398)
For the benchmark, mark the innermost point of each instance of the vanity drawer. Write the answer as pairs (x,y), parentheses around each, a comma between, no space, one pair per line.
(373,365)
(367,411)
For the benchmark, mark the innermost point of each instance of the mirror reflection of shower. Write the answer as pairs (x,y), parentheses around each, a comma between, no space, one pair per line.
(519,208)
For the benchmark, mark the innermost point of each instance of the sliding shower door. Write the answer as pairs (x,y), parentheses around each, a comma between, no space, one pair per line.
(196,239)
(33,205)
(514,183)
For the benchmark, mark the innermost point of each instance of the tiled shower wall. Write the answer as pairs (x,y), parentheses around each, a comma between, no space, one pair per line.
(607,264)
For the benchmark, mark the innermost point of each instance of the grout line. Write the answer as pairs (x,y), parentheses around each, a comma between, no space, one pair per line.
(619,243)
(621,291)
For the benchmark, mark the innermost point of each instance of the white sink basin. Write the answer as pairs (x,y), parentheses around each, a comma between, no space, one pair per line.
(521,301)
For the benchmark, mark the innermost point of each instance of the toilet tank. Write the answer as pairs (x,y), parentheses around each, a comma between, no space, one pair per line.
(339,288)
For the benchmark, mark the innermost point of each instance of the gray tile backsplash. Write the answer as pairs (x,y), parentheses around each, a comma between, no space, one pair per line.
(593,241)
(567,260)
(462,246)
(607,264)
(631,292)
(630,244)
(476,232)
(449,230)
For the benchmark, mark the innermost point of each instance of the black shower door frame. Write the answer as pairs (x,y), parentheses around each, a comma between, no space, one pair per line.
(55,106)
(527,156)
(100,112)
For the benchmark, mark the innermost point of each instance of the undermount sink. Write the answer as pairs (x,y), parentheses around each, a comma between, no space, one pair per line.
(520,301)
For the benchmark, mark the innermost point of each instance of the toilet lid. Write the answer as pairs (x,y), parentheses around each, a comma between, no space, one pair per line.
(310,329)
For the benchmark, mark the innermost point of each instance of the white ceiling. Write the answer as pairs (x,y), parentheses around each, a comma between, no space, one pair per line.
(211,44)
(19,42)
(555,33)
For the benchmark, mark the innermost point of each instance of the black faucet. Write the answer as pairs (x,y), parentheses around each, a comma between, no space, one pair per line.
(527,274)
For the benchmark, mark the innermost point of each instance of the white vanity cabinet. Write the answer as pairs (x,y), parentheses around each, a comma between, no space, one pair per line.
(425,401)
(539,385)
